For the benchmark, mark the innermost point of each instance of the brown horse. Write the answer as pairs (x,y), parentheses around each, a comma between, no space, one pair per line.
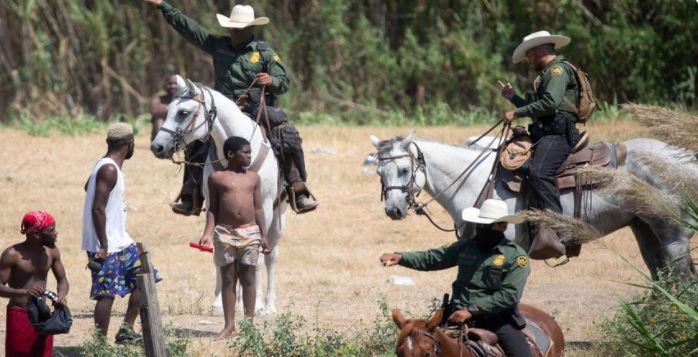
(423,338)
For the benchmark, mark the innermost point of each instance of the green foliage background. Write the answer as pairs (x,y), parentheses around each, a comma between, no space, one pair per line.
(351,61)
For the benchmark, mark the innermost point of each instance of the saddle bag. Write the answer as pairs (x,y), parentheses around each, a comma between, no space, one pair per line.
(518,150)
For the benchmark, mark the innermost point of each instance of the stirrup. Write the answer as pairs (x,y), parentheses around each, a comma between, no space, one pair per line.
(292,200)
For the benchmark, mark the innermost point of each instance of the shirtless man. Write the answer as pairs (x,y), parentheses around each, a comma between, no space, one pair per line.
(23,271)
(235,223)
(159,103)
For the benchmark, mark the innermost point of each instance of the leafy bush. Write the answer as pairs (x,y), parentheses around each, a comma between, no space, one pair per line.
(286,339)
(98,345)
(662,322)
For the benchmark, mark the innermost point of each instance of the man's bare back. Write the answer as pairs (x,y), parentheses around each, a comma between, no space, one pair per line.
(235,192)
(27,270)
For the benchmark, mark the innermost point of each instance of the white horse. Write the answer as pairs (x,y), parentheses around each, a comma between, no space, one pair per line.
(441,174)
(201,113)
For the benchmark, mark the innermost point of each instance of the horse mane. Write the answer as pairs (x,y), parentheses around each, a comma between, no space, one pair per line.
(384,146)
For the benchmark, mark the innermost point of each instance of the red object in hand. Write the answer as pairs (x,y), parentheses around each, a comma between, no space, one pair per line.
(203,248)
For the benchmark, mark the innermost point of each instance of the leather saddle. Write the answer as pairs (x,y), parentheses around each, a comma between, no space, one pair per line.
(605,154)
(485,342)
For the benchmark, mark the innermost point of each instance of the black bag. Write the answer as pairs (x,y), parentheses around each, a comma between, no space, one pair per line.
(45,322)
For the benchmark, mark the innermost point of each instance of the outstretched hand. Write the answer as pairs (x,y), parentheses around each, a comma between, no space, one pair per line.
(390,259)
(153,2)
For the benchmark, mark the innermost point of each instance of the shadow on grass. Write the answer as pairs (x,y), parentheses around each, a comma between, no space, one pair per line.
(67,351)
(193,333)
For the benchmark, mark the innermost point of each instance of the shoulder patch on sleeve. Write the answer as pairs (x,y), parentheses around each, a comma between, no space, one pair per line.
(522,261)
(556,70)
(276,57)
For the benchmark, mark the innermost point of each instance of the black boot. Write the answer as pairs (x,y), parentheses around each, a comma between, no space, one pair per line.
(188,204)
(546,244)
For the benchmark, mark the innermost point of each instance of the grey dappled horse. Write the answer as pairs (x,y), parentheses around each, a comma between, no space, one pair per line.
(190,117)
(661,241)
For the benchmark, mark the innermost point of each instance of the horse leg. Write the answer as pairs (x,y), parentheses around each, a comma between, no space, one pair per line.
(217,306)
(665,245)
(270,260)
(672,248)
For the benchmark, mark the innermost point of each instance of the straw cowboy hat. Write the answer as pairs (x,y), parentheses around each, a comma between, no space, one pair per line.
(242,16)
(492,211)
(537,39)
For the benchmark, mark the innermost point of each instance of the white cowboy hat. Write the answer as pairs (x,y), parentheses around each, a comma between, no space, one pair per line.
(492,211)
(242,16)
(537,39)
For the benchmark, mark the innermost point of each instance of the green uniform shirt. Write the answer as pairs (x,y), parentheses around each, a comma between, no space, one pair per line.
(546,101)
(234,69)
(493,281)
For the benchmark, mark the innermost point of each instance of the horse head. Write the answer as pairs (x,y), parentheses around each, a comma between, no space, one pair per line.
(419,337)
(188,118)
(402,171)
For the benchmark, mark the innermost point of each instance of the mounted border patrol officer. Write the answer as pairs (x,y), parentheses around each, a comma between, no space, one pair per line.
(553,129)
(492,273)
(242,67)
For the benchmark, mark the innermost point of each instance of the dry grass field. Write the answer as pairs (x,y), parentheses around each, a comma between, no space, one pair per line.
(328,270)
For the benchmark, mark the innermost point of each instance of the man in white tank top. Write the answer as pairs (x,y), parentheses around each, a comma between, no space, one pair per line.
(113,256)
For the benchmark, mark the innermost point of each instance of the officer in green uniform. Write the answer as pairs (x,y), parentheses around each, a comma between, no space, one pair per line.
(242,66)
(553,129)
(492,273)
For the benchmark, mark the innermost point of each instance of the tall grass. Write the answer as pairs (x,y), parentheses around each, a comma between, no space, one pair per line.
(662,322)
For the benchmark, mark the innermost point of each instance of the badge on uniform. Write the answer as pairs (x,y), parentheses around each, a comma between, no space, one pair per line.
(276,57)
(556,70)
(523,261)
(498,261)
(255,57)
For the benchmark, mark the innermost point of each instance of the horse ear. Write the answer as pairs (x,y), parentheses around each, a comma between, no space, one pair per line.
(181,84)
(399,318)
(406,142)
(435,320)
(375,141)
(191,87)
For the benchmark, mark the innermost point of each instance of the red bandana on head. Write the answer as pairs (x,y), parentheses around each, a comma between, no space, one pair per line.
(36,221)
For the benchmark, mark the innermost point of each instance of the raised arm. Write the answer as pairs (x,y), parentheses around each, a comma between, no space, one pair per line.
(187,27)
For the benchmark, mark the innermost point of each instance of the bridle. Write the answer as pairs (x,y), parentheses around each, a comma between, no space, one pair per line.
(436,347)
(210,116)
(417,164)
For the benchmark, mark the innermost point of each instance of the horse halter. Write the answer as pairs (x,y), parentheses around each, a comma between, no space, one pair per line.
(416,165)
(436,347)
(209,116)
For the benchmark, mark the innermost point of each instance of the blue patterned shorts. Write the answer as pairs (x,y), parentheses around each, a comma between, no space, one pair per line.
(118,274)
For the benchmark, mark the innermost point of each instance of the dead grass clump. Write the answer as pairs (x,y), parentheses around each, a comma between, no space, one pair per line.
(572,231)
(628,191)
(669,125)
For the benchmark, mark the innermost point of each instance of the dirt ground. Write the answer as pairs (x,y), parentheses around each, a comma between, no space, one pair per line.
(328,270)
